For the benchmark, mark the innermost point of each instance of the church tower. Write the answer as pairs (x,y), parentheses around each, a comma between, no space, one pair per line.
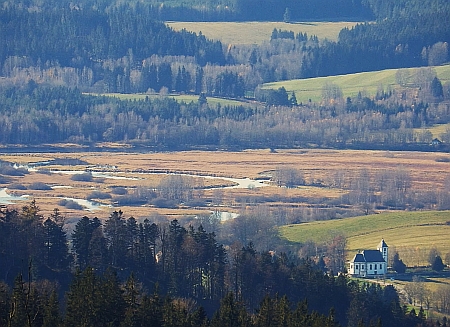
(383,248)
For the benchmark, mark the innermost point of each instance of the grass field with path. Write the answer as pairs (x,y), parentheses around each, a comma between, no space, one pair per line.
(236,33)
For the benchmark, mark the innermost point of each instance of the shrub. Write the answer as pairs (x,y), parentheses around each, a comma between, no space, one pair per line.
(129,200)
(163,203)
(68,162)
(4,180)
(119,190)
(17,186)
(195,203)
(39,186)
(44,171)
(98,195)
(11,171)
(70,204)
(84,177)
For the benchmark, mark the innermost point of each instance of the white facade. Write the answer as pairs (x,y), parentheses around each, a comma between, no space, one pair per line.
(370,263)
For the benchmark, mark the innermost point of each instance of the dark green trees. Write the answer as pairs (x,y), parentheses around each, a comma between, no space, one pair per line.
(229,84)
(437,264)
(95,300)
(56,252)
(82,236)
(397,264)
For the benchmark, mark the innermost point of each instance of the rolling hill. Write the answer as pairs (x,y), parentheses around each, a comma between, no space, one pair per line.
(412,234)
(351,84)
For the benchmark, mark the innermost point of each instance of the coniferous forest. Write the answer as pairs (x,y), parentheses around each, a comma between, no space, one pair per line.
(121,272)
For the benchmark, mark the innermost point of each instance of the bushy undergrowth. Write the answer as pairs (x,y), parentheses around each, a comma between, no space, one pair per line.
(84,177)
(98,195)
(70,204)
(39,186)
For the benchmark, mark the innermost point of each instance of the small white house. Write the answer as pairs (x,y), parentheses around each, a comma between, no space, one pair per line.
(370,263)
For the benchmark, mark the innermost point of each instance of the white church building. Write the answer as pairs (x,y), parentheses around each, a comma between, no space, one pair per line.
(370,263)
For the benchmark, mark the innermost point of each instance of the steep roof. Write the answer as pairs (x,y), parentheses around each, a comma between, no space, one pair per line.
(359,258)
(382,244)
(368,256)
(373,256)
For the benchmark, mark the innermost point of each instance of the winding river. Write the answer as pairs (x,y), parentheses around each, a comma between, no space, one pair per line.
(238,183)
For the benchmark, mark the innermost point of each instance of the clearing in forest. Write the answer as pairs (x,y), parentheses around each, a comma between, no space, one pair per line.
(236,33)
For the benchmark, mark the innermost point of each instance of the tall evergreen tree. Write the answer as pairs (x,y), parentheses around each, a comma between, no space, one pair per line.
(56,254)
(116,234)
(81,239)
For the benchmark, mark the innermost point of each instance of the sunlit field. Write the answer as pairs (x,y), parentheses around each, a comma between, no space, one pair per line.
(367,83)
(412,234)
(258,32)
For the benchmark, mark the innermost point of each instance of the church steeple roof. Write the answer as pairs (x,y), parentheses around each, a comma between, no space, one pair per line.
(382,244)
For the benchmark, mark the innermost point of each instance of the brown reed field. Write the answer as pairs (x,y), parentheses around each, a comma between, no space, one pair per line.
(317,166)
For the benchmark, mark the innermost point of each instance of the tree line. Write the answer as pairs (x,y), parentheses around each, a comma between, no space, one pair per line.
(36,114)
(80,38)
(234,10)
(122,272)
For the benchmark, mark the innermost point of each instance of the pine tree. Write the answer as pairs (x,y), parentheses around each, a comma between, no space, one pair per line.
(56,250)
(4,303)
(18,310)
(111,302)
(51,317)
(81,238)
(133,297)
(98,256)
(230,313)
(397,264)
(438,265)
(116,234)
(83,302)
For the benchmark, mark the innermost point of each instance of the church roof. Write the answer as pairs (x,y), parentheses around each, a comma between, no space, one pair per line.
(368,256)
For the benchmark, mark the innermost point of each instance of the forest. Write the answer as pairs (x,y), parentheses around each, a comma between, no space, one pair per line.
(35,114)
(121,272)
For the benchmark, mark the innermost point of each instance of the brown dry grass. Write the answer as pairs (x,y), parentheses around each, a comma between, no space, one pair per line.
(316,165)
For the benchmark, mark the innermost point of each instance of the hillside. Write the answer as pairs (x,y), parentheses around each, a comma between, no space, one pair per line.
(351,84)
(413,234)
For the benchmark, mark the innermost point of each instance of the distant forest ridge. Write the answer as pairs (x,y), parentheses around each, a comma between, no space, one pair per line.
(244,10)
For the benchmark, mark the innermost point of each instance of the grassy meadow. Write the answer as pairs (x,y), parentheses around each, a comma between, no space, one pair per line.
(436,130)
(351,84)
(412,234)
(187,98)
(235,33)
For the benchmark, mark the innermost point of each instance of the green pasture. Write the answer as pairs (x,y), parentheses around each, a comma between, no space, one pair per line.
(368,83)
(235,33)
(187,98)
(405,231)
(436,130)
